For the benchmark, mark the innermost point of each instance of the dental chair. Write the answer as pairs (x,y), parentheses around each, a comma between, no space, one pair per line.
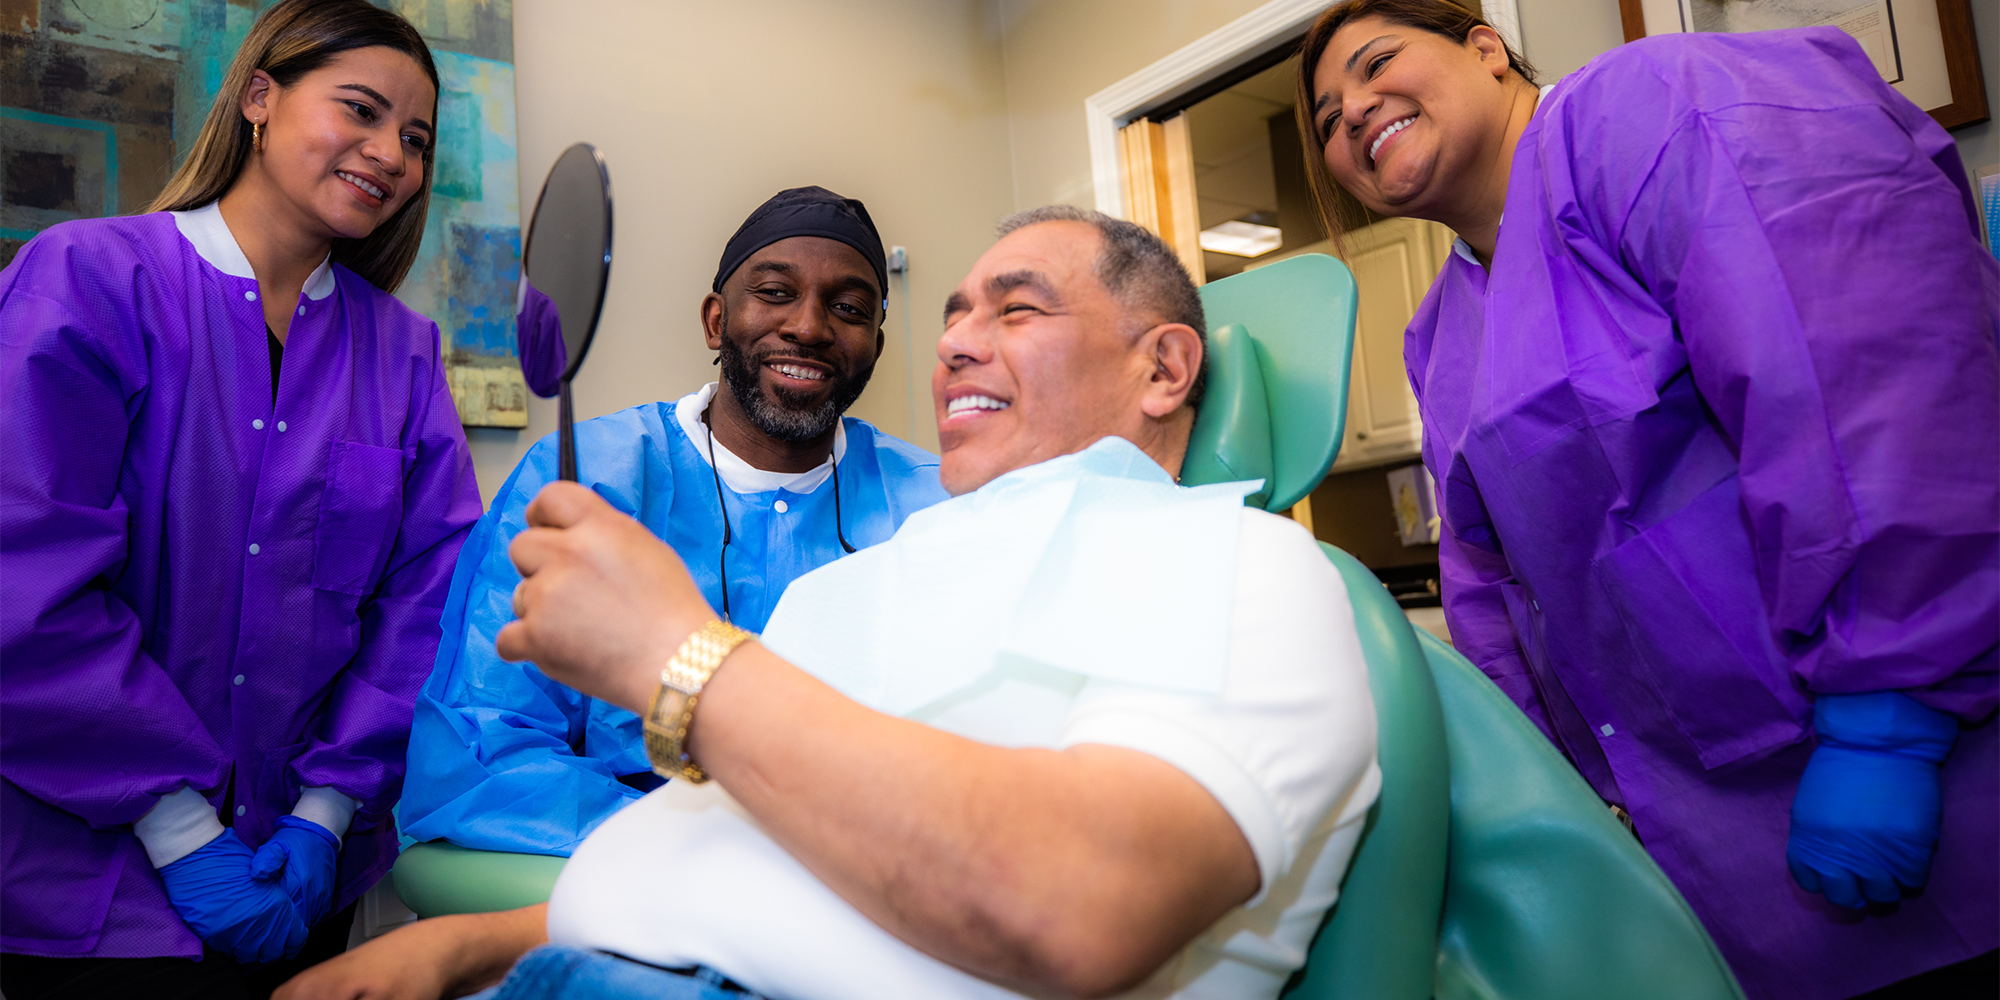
(1488,869)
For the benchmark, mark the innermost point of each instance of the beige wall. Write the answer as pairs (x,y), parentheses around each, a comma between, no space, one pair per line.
(1561,35)
(703,110)
(1059,52)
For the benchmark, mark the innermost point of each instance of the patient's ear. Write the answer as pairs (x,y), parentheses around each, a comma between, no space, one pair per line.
(1176,355)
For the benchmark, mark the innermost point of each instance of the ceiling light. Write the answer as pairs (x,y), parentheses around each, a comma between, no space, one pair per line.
(1242,239)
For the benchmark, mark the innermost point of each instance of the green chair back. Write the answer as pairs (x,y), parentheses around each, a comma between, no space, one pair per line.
(1279,346)
(1380,941)
(1299,314)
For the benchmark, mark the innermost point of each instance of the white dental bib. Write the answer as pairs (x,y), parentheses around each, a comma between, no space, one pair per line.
(1089,565)
(1087,599)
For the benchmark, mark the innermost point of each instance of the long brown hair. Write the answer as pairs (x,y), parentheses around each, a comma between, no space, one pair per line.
(1339,211)
(290,40)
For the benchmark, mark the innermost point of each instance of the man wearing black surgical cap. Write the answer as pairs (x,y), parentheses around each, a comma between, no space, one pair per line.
(755,480)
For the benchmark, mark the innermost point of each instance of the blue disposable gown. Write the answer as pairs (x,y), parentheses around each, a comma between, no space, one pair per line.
(503,758)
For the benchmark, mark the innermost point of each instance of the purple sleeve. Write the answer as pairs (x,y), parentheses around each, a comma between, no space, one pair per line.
(1839,320)
(1475,608)
(359,750)
(538,337)
(93,725)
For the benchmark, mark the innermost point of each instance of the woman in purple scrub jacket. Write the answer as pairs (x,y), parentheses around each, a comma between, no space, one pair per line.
(233,490)
(1710,392)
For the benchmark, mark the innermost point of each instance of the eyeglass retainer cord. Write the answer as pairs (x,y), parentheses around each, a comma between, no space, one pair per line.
(722,557)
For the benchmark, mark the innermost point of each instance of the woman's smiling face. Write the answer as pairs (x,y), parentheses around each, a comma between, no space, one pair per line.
(1406,118)
(346,143)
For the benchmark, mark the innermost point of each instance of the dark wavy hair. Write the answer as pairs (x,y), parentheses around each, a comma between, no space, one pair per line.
(1339,211)
(290,40)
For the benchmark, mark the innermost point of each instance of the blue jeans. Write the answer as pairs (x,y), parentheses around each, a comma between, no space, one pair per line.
(559,972)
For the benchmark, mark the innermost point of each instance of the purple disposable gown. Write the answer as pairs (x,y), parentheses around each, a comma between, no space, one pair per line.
(199,583)
(1718,434)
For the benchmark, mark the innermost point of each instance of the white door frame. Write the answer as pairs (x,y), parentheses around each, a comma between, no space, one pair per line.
(1206,58)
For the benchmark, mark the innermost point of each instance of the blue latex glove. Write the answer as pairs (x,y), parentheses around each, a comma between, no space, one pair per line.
(1865,818)
(251,921)
(302,855)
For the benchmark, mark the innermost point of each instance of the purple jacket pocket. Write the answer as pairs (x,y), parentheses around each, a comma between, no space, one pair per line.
(1686,590)
(358,516)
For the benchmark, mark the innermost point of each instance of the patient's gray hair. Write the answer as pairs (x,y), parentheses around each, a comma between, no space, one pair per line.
(1142,272)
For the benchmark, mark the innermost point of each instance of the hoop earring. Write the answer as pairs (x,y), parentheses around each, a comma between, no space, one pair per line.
(257,136)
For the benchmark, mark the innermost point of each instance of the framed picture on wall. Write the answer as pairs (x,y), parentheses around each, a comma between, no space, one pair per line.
(1923,48)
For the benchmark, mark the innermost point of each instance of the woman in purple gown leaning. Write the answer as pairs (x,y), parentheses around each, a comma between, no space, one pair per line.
(234,489)
(1713,414)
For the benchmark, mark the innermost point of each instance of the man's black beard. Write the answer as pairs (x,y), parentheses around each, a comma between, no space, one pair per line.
(790,418)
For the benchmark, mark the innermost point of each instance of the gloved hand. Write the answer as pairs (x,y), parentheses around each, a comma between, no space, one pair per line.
(213,892)
(303,855)
(1865,818)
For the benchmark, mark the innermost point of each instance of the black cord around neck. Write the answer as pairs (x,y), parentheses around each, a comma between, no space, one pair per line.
(837,533)
(722,557)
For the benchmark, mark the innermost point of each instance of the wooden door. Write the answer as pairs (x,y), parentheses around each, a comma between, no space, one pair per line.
(1159,186)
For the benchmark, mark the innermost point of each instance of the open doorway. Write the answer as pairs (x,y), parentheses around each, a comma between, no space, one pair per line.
(1221,173)
(1249,181)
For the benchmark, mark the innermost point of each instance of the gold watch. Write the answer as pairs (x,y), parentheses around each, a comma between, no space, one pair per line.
(672,710)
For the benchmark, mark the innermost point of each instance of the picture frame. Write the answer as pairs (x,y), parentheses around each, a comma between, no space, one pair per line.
(1926,49)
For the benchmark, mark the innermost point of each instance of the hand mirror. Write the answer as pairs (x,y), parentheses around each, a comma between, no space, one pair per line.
(565,264)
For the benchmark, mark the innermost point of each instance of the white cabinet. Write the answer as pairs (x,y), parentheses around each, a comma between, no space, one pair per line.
(1394,263)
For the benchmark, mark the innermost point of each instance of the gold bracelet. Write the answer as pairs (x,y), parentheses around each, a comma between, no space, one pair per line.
(672,709)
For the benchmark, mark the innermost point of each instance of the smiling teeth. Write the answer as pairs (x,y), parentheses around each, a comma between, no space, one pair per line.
(797,372)
(1386,133)
(964,403)
(363,185)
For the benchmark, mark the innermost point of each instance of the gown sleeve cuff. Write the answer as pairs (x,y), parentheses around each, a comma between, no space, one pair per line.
(181,823)
(321,804)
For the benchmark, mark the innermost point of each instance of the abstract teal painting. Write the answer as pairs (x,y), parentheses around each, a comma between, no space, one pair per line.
(99,99)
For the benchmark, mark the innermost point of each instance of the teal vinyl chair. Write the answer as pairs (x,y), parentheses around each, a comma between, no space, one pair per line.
(1488,869)
(439,878)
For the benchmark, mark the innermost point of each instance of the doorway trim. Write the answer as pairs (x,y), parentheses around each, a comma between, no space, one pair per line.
(1203,60)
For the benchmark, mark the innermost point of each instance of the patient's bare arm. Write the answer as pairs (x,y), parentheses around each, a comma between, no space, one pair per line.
(428,960)
(1077,871)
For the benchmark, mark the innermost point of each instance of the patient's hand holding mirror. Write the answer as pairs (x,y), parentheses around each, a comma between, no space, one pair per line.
(565,265)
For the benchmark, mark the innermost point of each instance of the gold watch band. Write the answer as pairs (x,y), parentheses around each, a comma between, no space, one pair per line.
(672,710)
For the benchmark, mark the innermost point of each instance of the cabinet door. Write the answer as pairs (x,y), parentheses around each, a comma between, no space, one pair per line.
(1394,263)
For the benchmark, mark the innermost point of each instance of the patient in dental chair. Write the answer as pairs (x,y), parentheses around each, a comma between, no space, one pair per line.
(1076,731)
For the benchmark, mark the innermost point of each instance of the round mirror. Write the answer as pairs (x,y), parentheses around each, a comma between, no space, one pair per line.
(565,264)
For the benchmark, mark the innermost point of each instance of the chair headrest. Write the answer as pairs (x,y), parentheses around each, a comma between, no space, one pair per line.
(1280,345)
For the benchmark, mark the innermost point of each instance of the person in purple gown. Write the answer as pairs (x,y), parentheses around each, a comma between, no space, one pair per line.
(1713,415)
(538,338)
(234,491)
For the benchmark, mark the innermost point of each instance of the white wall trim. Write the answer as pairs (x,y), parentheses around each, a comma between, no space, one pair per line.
(1505,17)
(1194,64)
